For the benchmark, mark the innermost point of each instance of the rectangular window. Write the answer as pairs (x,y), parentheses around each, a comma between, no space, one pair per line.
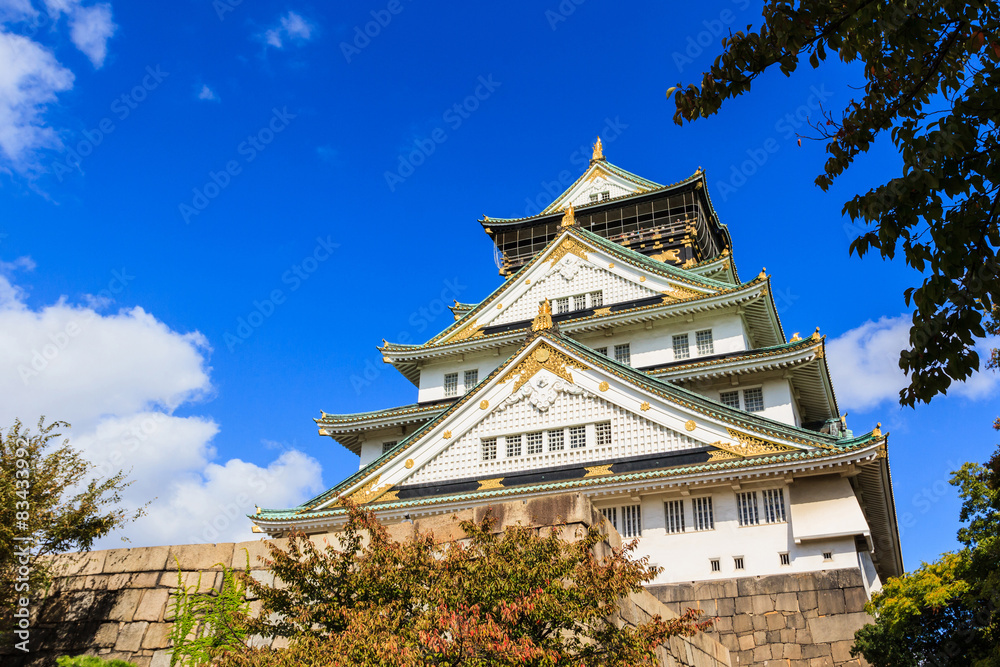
(774,505)
(675,516)
(603,433)
(386,446)
(593,197)
(631,521)
(681,348)
(738,562)
(489,449)
(746,508)
(753,399)
(605,196)
(471,379)
(827,555)
(451,384)
(601,350)
(716,567)
(577,437)
(611,514)
(623,354)
(704,341)
(730,398)
(785,560)
(596,299)
(556,441)
(580,302)
(562,305)
(704,516)
(534,443)
(513,445)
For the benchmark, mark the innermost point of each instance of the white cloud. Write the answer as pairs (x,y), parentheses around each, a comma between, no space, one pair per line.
(119,378)
(30,80)
(290,27)
(90,30)
(207,93)
(864,363)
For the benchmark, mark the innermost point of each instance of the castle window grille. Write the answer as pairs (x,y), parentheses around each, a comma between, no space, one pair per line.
(730,399)
(746,508)
(716,566)
(562,305)
(471,379)
(557,441)
(386,446)
(623,354)
(675,516)
(513,445)
(774,505)
(753,399)
(489,446)
(602,432)
(611,514)
(451,384)
(738,562)
(704,341)
(580,302)
(596,299)
(785,559)
(593,197)
(605,196)
(704,516)
(682,349)
(534,442)
(577,437)
(631,521)
(601,350)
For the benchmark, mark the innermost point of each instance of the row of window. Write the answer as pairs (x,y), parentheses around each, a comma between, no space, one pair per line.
(553,440)
(784,558)
(471,378)
(630,523)
(605,196)
(752,510)
(703,341)
(623,353)
(568,304)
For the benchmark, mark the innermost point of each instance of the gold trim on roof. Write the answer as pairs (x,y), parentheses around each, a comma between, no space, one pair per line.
(544,356)
(751,446)
(544,318)
(595,471)
(369,492)
(470,331)
(721,455)
(598,153)
(569,246)
(496,483)
(569,217)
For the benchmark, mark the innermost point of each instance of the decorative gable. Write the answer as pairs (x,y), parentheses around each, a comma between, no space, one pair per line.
(600,182)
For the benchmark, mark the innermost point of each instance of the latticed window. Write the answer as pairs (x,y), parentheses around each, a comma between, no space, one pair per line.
(631,521)
(386,446)
(746,508)
(774,505)
(602,433)
(753,399)
(623,354)
(577,437)
(513,445)
(675,516)
(611,514)
(785,559)
(451,384)
(489,449)
(596,299)
(605,196)
(593,197)
(601,350)
(471,379)
(730,398)
(562,305)
(556,441)
(737,562)
(534,441)
(682,350)
(716,567)
(580,302)
(704,341)
(704,516)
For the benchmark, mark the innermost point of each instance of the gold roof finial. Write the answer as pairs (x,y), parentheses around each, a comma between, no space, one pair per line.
(763,273)
(796,336)
(544,318)
(815,335)
(598,151)
(569,217)
(877,431)
(258,509)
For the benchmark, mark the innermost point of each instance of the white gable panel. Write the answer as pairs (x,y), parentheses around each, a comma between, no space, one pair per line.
(535,408)
(598,186)
(569,277)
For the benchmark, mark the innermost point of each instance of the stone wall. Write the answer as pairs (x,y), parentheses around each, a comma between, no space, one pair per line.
(799,620)
(116,603)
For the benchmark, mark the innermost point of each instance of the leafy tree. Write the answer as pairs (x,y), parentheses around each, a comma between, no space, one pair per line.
(946,612)
(90,661)
(495,598)
(929,71)
(49,503)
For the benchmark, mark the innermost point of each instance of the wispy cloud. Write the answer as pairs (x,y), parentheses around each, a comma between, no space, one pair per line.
(90,28)
(208,94)
(291,27)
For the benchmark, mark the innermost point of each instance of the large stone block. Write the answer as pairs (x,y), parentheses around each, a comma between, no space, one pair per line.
(855,599)
(107,634)
(78,564)
(130,637)
(256,551)
(140,559)
(157,636)
(839,627)
(153,605)
(831,602)
(786,602)
(124,606)
(200,556)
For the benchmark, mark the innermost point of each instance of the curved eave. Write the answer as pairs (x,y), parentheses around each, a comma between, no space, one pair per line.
(348,429)
(724,266)
(874,484)
(759,467)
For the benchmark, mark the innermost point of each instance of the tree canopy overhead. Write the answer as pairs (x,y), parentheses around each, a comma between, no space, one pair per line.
(929,70)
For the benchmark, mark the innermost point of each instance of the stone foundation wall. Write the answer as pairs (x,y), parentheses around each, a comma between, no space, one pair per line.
(116,603)
(799,620)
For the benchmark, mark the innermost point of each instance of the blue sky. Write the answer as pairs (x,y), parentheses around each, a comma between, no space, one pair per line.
(167,170)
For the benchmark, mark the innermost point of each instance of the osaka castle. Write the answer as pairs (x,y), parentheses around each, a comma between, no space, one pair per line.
(624,358)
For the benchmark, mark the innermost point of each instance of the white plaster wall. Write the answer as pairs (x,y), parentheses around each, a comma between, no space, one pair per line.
(686,556)
(432,375)
(371,446)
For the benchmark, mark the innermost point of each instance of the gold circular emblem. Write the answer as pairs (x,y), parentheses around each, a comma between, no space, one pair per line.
(447,434)
(644,406)
(567,244)
(528,281)
(541,355)
(690,425)
(483,405)
(611,266)
(409,463)
(642,279)
(499,306)
(603,386)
